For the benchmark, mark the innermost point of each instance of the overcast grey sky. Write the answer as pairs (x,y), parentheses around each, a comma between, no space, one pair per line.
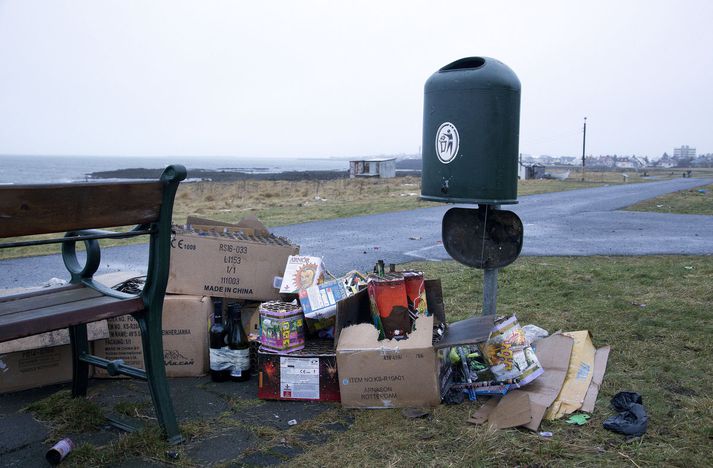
(338,78)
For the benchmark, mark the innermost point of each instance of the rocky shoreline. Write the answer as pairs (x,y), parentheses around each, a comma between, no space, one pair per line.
(214,175)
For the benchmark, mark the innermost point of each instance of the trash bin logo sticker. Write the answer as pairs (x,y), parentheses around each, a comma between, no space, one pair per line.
(447,142)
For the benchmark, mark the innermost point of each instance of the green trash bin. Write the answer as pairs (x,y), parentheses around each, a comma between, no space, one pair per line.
(471,125)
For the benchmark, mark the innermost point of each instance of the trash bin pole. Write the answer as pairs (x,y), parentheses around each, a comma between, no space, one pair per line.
(490,291)
(490,285)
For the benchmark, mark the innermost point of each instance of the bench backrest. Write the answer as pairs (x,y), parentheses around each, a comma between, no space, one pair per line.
(43,209)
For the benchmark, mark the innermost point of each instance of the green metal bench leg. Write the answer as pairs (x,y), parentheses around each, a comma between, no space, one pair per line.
(152,340)
(80,370)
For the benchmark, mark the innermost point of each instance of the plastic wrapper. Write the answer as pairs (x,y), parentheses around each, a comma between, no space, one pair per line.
(509,354)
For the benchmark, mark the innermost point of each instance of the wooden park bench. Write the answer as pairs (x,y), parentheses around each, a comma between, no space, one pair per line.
(82,210)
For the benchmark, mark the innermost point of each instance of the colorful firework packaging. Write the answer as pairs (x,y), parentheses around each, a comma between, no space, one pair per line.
(416,291)
(281,327)
(389,305)
(509,354)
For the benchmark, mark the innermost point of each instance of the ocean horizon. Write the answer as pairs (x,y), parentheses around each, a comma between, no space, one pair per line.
(60,169)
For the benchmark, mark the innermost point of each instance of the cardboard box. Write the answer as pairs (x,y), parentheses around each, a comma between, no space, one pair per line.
(227,264)
(250,316)
(32,368)
(309,374)
(185,338)
(39,360)
(388,373)
(393,373)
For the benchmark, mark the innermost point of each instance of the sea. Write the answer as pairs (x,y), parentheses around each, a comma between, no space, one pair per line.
(58,169)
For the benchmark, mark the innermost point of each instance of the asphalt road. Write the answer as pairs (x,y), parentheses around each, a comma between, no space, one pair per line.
(579,223)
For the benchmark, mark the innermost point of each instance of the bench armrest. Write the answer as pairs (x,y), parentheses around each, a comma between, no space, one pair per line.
(69,254)
(83,274)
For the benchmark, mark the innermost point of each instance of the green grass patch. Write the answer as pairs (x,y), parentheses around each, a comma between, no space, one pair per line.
(653,311)
(66,414)
(693,201)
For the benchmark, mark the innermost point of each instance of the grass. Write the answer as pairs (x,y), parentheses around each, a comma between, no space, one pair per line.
(66,414)
(278,203)
(693,201)
(653,311)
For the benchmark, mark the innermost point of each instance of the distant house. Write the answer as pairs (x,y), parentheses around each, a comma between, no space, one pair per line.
(384,168)
(531,171)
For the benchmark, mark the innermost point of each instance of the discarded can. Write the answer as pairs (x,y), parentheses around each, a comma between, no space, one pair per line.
(281,327)
(415,291)
(389,305)
(59,451)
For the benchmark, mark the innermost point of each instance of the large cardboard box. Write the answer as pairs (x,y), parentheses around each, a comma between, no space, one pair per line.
(227,262)
(185,338)
(309,374)
(388,373)
(396,373)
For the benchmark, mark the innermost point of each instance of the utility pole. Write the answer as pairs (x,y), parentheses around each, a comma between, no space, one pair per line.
(584,145)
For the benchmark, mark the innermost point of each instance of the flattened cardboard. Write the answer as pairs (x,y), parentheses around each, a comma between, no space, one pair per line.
(227,265)
(600,366)
(481,415)
(185,338)
(249,224)
(578,379)
(513,410)
(554,354)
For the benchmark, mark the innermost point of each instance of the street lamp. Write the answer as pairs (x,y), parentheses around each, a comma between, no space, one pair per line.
(584,145)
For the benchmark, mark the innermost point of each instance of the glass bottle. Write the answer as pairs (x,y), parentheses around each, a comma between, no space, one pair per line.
(219,362)
(239,345)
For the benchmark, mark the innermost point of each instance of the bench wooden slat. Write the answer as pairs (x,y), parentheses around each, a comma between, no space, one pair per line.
(39,292)
(64,296)
(55,317)
(24,209)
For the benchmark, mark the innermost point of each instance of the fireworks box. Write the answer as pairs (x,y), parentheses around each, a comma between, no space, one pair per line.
(309,374)
(185,338)
(224,260)
(391,373)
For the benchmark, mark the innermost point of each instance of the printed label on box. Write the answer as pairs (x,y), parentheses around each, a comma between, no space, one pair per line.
(299,378)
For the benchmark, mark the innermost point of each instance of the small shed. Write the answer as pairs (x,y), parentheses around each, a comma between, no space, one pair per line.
(384,168)
(531,171)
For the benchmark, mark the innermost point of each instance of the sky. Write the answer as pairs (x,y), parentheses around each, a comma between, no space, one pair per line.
(342,78)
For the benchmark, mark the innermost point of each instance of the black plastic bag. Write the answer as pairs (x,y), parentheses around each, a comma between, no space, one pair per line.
(632,418)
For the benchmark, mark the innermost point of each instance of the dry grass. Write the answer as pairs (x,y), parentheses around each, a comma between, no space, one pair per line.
(279,203)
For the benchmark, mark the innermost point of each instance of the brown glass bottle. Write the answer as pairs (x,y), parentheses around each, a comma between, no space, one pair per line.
(219,358)
(239,345)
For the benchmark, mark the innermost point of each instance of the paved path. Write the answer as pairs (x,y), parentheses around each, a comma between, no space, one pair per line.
(577,222)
